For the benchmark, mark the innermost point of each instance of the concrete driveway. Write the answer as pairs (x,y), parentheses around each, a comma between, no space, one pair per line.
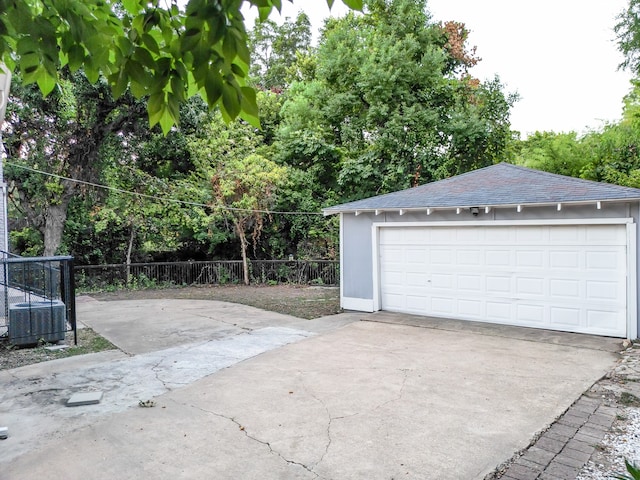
(245,394)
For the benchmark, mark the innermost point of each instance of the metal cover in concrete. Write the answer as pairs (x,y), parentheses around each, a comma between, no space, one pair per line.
(86,398)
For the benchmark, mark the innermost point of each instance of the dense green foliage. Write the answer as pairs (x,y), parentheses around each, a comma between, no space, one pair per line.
(386,100)
(611,154)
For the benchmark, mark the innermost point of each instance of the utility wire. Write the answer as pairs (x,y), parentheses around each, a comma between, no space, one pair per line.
(153,197)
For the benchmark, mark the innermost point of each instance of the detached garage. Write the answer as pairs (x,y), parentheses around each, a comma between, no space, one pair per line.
(503,244)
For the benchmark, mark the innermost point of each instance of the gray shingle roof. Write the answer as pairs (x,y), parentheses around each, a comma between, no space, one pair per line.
(498,185)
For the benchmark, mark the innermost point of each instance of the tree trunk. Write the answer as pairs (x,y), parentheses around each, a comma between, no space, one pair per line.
(132,236)
(54,220)
(243,248)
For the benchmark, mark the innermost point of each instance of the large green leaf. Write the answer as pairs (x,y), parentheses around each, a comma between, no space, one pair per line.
(76,57)
(231,100)
(46,82)
(213,87)
(131,6)
(353,4)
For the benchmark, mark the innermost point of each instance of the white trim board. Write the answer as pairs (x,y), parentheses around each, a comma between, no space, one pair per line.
(503,223)
(357,304)
(632,282)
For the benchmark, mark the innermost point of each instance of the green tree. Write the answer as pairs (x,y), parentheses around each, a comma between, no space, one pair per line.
(610,154)
(62,135)
(223,154)
(561,153)
(393,98)
(158,50)
(244,190)
(628,36)
(276,48)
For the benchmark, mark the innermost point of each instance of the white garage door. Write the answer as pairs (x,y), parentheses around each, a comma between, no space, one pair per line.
(570,278)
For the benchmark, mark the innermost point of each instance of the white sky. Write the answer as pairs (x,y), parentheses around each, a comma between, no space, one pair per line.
(559,55)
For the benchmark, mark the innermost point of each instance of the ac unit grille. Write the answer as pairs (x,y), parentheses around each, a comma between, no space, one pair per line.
(31,322)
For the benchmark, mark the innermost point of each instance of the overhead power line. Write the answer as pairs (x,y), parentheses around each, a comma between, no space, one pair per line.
(154,197)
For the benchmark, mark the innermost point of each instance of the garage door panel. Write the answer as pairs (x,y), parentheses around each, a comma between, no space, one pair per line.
(603,290)
(466,257)
(530,287)
(394,278)
(443,306)
(441,256)
(600,319)
(470,284)
(495,258)
(530,258)
(565,235)
(443,236)
(442,280)
(565,317)
(498,284)
(499,311)
(416,303)
(538,276)
(602,260)
(530,235)
(605,235)
(564,259)
(471,308)
(565,288)
(529,314)
(414,279)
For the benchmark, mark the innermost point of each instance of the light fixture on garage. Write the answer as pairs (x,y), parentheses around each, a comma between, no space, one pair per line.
(559,206)
(474,211)
(458,210)
(378,212)
(519,209)
(487,209)
(598,205)
(429,211)
(402,212)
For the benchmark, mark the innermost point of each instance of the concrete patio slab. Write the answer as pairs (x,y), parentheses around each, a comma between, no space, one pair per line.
(367,400)
(142,326)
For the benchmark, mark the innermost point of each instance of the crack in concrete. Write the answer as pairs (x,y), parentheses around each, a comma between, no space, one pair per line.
(329,423)
(247,329)
(244,430)
(405,372)
(157,371)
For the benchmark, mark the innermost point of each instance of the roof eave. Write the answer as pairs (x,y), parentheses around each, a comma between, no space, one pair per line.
(519,206)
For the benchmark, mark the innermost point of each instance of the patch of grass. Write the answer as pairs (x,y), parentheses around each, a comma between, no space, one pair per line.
(88,342)
(629,399)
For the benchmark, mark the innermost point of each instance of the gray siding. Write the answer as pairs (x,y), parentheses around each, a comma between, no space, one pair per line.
(356,254)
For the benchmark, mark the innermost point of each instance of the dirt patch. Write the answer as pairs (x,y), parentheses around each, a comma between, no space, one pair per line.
(88,342)
(298,301)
